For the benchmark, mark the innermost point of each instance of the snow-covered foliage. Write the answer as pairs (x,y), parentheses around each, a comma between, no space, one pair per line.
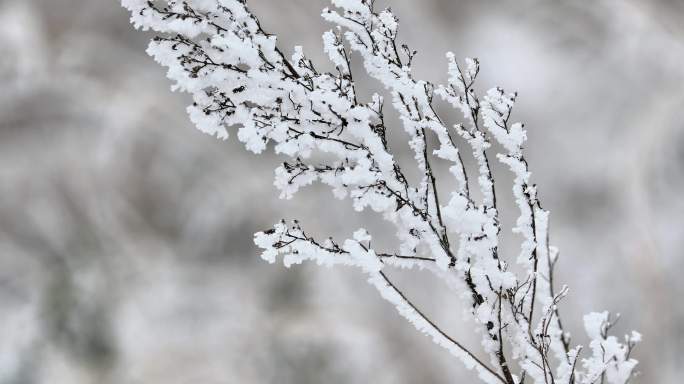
(238,77)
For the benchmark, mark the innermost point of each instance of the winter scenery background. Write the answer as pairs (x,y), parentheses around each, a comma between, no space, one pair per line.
(126,252)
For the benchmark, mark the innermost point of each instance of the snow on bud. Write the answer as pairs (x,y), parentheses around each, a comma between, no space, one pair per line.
(361,235)
(595,324)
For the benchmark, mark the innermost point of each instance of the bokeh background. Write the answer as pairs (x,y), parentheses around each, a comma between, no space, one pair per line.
(126,250)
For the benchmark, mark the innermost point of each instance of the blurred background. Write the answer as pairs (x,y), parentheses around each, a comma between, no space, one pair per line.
(126,250)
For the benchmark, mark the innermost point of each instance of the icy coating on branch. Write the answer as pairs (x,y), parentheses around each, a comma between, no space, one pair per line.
(238,77)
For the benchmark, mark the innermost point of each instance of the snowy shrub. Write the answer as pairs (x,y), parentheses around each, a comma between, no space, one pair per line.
(238,77)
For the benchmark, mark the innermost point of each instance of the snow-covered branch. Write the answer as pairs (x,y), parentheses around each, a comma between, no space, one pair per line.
(237,75)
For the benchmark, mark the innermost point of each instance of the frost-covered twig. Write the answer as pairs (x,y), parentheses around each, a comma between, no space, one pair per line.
(217,51)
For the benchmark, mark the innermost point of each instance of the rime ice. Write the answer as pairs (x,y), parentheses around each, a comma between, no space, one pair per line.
(238,77)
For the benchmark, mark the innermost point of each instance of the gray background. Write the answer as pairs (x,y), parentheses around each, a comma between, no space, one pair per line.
(125,234)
